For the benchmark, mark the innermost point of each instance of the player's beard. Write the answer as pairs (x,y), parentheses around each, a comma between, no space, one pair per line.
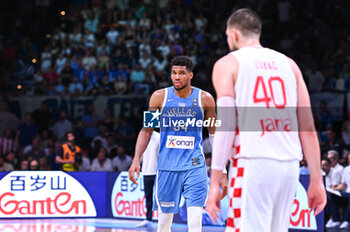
(181,88)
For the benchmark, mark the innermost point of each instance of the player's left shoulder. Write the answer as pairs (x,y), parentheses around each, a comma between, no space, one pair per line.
(207,99)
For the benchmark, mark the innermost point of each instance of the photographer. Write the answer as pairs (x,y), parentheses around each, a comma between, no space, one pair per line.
(69,155)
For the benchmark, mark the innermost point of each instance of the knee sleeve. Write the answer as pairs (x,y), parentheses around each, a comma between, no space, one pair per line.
(164,221)
(194,218)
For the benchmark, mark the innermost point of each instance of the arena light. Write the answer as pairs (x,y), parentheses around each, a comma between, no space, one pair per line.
(63,13)
(19,87)
(34,61)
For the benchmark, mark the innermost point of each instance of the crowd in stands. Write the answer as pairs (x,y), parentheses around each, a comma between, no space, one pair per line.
(113,47)
(104,143)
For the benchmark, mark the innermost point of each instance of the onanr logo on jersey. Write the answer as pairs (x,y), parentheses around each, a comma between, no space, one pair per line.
(180,142)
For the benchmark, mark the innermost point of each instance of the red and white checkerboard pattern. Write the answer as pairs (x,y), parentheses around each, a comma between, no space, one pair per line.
(236,174)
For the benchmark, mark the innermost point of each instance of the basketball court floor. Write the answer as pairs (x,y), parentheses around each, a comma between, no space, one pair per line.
(86,225)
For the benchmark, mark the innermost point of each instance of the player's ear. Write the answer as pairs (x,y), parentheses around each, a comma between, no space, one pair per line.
(237,35)
(191,75)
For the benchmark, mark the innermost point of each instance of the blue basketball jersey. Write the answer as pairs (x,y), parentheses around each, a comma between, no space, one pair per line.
(181,143)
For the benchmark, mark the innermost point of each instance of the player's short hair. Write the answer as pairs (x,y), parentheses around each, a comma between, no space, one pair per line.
(245,20)
(182,61)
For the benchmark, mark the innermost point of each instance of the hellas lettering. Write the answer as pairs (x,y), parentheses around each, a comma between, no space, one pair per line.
(129,208)
(270,124)
(58,205)
(181,111)
(304,216)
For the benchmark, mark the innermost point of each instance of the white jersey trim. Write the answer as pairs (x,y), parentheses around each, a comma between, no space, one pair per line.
(165,98)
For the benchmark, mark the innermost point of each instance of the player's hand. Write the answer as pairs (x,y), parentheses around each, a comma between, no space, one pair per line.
(316,197)
(213,203)
(135,167)
(224,186)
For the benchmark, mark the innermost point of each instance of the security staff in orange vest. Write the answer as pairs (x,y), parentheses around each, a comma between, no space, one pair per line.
(69,155)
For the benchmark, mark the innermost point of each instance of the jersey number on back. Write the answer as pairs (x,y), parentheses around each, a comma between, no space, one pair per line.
(273,83)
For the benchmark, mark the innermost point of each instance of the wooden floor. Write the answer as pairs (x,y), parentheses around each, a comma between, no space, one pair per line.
(85,225)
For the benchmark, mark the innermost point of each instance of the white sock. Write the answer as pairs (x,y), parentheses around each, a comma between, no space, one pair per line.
(164,221)
(194,218)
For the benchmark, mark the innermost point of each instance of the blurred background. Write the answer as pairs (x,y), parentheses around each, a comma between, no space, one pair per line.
(89,66)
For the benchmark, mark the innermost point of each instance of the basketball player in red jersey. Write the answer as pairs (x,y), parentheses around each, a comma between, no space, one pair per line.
(264,168)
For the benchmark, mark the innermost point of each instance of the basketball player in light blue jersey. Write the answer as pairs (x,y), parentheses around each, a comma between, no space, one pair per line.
(181,164)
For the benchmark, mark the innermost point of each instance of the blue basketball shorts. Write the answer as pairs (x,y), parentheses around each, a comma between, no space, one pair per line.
(169,185)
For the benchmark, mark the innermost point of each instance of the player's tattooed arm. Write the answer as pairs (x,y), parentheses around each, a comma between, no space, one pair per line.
(144,136)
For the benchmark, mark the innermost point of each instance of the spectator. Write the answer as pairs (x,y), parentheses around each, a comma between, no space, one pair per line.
(91,23)
(344,187)
(26,131)
(120,85)
(43,165)
(108,120)
(315,79)
(103,60)
(102,136)
(46,59)
(145,21)
(333,144)
(75,88)
(89,61)
(62,126)
(8,143)
(164,49)
(45,140)
(24,165)
(333,156)
(145,60)
(7,119)
(60,63)
(122,161)
(101,163)
(137,74)
(10,158)
(4,166)
(124,132)
(42,117)
(50,75)
(60,89)
(333,179)
(112,35)
(90,122)
(111,146)
(33,151)
(160,63)
(118,58)
(34,165)
(69,156)
(200,22)
(95,149)
(86,163)
(304,168)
